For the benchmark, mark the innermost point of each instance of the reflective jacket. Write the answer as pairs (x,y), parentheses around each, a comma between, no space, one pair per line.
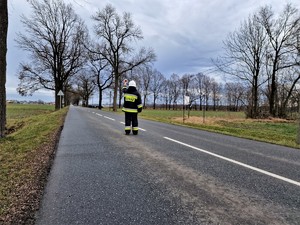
(132,100)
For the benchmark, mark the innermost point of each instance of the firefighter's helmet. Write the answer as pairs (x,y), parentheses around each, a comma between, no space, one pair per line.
(132,83)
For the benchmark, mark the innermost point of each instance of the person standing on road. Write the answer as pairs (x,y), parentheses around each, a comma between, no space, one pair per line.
(132,106)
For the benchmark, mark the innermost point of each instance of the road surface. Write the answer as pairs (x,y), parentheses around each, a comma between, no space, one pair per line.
(166,175)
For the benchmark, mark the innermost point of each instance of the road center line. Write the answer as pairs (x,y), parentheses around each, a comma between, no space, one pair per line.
(139,127)
(109,118)
(98,114)
(237,162)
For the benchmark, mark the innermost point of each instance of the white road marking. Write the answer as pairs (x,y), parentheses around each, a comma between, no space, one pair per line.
(120,122)
(139,127)
(109,118)
(238,163)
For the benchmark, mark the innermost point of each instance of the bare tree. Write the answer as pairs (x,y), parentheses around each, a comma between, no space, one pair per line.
(193,92)
(3,50)
(100,71)
(118,33)
(282,33)
(157,84)
(199,78)
(216,89)
(235,94)
(207,90)
(55,37)
(145,78)
(166,94)
(86,87)
(186,82)
(286,87)
(175,89)
(187,90)
(244,57)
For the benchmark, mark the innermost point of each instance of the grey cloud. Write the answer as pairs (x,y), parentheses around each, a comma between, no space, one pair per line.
(185,34)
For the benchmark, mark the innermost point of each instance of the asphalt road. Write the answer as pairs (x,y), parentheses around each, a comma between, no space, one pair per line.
(166,175)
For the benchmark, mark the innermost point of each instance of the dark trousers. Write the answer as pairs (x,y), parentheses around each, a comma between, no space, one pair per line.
(131,119)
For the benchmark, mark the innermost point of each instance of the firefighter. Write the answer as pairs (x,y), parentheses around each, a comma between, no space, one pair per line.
(132,106)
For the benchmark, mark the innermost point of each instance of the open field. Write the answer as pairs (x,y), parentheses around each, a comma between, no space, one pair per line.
(16,111)
(25,156)
(277,131)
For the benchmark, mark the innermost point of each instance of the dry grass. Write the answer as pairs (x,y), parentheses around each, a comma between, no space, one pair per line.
(215,121)
(272,130)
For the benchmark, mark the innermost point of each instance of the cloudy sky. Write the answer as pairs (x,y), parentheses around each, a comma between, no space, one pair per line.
(185,34)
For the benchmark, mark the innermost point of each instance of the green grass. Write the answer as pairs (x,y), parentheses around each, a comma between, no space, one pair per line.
(167,115)
(17,111)
(30,127)
(233,123)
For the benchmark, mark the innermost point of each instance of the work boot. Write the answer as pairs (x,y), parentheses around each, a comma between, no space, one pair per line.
(135,132)
(127,132)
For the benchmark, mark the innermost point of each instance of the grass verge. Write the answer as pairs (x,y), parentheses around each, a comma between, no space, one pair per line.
(26,154)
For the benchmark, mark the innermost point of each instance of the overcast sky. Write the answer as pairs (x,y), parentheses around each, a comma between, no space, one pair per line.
(185,34)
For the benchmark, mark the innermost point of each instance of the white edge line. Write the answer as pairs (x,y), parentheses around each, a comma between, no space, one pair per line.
(238,163)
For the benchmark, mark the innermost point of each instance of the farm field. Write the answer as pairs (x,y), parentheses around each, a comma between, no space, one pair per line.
(277,131)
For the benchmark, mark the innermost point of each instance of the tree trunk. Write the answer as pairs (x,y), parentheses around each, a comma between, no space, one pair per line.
(144,102)
(254,99)
(3,50)
(273,91)
(120,99)
(272,97)
(100,99)
(154,103)
(115,91)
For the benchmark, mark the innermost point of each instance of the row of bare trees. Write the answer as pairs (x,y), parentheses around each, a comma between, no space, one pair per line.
(264,54)
(202,90)
(205,92)
(55,38)
(65,58)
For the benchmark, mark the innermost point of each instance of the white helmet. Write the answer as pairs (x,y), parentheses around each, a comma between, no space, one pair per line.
(132,83)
